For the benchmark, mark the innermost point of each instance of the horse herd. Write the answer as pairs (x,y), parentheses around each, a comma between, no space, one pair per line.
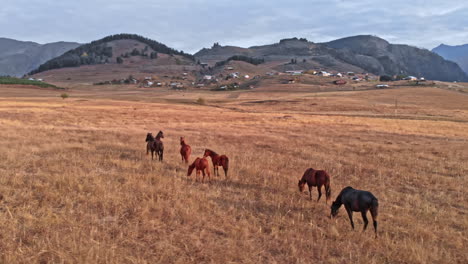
(352,199)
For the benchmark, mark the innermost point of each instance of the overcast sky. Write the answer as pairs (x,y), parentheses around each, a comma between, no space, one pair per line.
(193,24)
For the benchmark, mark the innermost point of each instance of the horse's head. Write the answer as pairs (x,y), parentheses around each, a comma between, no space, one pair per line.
(207,153)
(160,135)
(190,169)
(182,140)
(149,137)
(301,185)
(334,208)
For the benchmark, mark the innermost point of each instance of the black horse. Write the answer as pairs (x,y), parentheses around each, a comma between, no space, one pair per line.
(357,201)
(155,145)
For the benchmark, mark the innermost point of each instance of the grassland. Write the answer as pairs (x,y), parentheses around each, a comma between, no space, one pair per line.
(79,188)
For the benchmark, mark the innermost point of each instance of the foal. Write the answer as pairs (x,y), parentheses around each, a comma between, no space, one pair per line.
(185,150)
(202,165)
(218,160)
(317,178)
(357,201)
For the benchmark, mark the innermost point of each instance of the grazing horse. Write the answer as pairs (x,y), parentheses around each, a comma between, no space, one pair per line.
(218,160)
(316,178)
(185,150)
(202,165)
(155,145)
(357,201)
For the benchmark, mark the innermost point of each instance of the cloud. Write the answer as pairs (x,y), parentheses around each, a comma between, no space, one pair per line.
(192,24)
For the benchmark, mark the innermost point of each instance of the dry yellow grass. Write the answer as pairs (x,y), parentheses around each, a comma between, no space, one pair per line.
(79,188)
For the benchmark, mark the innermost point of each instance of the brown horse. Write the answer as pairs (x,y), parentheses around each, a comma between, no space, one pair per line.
(155,145)
(202,165)
(316,178)
(185,150)
(357,201)
(218,160)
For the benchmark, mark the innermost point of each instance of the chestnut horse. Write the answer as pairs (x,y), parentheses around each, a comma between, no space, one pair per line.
(218,160)
(357,201)
(316,178)
(155,145)
(185,150)
(202,165)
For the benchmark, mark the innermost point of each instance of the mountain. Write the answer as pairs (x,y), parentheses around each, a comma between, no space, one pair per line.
(359,54)
(458,54)
(19,57)
(111,49)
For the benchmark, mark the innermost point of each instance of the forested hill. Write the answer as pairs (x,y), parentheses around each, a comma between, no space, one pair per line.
(101,52)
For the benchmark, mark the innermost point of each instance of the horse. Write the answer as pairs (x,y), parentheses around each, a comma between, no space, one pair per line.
(317,178)
(202,165)
(218,160)
(357,201)
(185,150)
(155,145)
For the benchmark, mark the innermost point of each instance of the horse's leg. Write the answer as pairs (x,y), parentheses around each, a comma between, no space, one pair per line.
(152,152)
(162,155)
(203,172)
(310,192)
(319,189)
(364,218)
(350,215)
(373,212)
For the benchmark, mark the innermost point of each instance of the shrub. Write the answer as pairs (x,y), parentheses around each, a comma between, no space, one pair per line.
(64,96)
(201,101)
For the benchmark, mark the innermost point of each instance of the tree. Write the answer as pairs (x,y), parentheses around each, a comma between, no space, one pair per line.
(135,52)
(119,60)
(385,78)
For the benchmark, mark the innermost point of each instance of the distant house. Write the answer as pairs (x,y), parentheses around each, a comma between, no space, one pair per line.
(324,73)
(339,75)
(234,75)
(176,86)
(339,82)
(291,81)
(246,76)
(350,73)
(294,72)
(381,86)
(410,78)
(207,77)
(229,68)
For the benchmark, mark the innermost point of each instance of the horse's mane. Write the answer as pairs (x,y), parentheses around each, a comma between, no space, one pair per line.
(214,153)
(346,189)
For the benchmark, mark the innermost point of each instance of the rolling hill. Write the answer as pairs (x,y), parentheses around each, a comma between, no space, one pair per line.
(111,49)
(458,54)
(359,54)
(19,57)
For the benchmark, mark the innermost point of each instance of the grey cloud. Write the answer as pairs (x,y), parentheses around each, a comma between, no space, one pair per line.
(192,24)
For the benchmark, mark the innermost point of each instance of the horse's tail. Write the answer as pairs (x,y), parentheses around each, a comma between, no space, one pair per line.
(225,165)
(374,208)
(327,187)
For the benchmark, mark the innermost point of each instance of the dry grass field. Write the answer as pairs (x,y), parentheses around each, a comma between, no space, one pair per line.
(78,186)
